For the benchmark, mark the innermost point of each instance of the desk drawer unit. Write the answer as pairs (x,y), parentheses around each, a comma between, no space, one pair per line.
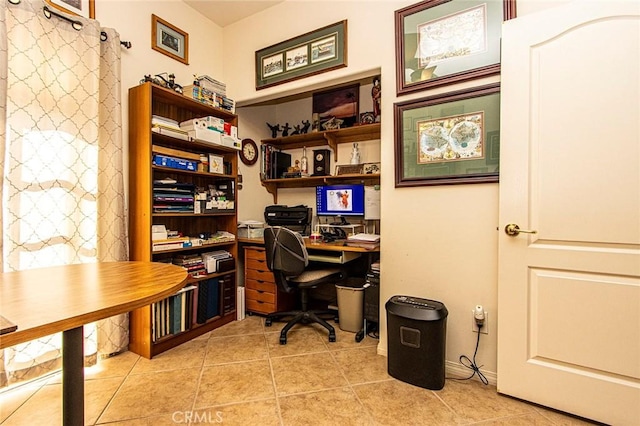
(262,295)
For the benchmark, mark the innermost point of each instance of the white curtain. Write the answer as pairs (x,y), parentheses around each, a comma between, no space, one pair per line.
(62,176)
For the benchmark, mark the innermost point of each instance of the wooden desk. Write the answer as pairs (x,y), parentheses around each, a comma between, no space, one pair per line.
(64,298)
(331,246)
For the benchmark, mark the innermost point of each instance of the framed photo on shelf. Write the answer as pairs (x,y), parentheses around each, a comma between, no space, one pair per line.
(441,42)
(169,40)
(452,138)
(348,169)
(84,8)
(371,168)
(337,108)
(315,52)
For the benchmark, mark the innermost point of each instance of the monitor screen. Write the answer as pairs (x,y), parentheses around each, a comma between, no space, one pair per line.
(340,200)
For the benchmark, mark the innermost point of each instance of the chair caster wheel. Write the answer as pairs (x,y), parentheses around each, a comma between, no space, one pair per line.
(283,340)
(332,337)
(360,336)
(267,322)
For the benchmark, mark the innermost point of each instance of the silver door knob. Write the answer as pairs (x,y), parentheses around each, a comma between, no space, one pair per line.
(514,230)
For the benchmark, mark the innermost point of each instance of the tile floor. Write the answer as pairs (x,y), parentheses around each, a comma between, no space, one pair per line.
(241,375)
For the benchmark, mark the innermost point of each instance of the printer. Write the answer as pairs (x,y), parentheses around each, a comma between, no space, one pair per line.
(296,218)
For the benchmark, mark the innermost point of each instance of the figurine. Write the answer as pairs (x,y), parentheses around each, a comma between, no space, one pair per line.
(355,154)
(274,130)
(376,92)
(305,126)
(296,130)
(285,129)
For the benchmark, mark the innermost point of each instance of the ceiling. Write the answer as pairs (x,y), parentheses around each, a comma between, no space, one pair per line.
(226,12)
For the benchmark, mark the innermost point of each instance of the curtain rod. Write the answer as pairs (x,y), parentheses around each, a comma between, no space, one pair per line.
(76,25)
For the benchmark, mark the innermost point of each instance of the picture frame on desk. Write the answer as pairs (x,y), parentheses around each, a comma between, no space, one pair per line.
(443,42)
(442,139)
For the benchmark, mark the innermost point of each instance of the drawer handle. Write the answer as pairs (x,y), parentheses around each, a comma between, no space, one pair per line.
(260,281)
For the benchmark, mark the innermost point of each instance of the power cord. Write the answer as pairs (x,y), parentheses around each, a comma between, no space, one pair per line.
(471,365)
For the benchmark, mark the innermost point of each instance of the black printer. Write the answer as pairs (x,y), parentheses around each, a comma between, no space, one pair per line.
(296,218)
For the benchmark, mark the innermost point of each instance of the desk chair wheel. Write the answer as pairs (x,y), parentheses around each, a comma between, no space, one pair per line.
(268,322)
(360,336)
(283,340)
(332,337)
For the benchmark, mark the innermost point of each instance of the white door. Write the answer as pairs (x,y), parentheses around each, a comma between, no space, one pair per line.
(569,295)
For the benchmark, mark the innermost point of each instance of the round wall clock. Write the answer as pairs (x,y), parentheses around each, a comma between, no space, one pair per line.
(249,152)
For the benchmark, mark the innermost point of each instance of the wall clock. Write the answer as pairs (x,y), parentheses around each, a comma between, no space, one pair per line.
(249,152)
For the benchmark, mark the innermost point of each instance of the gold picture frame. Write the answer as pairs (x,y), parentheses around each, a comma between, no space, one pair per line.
(169,40)
(84,8)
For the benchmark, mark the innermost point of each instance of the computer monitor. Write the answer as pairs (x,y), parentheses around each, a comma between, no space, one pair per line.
(340,200)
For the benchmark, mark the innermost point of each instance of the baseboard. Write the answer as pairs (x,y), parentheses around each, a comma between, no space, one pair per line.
(454,369)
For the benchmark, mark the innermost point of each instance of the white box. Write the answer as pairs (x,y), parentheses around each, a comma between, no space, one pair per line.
(206,135)
(231,142)
(251,230)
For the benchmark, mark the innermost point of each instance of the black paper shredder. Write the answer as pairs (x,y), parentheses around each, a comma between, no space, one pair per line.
(416,338)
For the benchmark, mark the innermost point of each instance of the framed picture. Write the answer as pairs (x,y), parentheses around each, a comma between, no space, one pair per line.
(337,108)
(315,52)
(450,138)
(169,40)
(441,42)
(371,168)
(84,8)
(348,169)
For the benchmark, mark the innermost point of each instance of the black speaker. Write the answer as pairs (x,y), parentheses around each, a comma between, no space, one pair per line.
(321,162)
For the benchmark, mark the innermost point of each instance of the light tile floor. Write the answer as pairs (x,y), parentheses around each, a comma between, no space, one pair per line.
(239,374)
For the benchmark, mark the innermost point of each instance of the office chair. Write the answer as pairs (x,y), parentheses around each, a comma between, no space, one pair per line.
(287,258)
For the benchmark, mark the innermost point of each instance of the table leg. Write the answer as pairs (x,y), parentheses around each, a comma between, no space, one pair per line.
(73,377)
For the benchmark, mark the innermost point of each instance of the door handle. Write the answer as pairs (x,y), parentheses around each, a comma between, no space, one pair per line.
(514,230)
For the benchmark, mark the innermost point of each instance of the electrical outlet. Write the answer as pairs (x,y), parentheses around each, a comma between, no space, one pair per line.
(485,326)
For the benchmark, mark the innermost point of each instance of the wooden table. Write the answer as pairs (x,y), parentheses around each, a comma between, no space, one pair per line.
(64,298)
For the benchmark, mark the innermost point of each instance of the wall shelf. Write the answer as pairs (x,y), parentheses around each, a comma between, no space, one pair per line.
(332,138)
(272,185)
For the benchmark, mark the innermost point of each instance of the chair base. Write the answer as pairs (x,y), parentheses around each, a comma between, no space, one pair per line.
(304,317)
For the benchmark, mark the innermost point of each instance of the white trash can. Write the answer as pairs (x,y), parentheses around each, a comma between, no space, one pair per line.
(350,294)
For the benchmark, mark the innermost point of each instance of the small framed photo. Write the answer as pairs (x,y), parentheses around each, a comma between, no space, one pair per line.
(371,168)
(169,40)
(84,8)
(348,169)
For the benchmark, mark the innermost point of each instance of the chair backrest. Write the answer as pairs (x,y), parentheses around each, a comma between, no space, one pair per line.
(286,254)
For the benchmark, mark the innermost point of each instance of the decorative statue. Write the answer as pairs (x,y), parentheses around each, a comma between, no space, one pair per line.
(355,154)
(274,130)
(285,129)
(305,126)
(296,130)
(376,92)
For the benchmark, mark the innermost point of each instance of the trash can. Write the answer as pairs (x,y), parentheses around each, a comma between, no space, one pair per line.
(350,294)
(416,337)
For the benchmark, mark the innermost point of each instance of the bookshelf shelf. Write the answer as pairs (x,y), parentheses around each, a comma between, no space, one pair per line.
(146,101)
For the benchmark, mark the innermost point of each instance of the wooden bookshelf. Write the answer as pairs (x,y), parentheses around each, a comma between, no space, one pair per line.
(145,101)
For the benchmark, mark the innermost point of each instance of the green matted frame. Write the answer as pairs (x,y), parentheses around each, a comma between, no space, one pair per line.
(452,138)
(315,52)
(442,42)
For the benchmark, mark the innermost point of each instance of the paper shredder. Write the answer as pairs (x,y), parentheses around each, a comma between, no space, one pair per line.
(416,341)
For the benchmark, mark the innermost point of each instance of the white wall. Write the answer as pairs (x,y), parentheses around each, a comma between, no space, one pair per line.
(438,242)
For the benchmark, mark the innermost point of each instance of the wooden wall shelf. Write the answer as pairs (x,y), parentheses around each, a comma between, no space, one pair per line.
(272,185)
(332,138)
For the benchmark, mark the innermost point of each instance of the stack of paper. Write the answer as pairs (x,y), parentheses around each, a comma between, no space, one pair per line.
(368,241)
